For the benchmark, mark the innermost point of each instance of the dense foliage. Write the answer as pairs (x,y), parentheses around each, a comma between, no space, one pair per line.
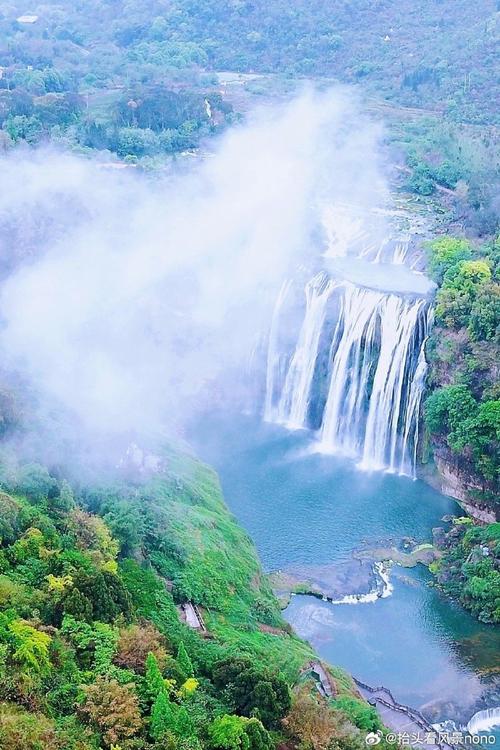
(93,649)
(462,412)
(140,78)
(469,569)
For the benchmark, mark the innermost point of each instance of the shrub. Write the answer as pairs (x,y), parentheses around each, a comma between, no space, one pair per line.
(365,717)
(112,709)
(20,730)
(136,642)
(310,721)
(444,253)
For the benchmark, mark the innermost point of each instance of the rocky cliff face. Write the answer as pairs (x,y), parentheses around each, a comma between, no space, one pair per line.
(457,479)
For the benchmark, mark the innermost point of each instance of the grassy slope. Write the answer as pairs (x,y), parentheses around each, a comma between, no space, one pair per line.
(178,542)
(221,570)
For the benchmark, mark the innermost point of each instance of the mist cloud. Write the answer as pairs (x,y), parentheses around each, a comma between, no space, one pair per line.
(136,293)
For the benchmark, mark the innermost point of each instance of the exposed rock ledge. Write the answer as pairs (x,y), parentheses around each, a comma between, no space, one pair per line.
(456,481)
(355,582)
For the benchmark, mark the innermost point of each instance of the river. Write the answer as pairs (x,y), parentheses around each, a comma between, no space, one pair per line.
(306,508)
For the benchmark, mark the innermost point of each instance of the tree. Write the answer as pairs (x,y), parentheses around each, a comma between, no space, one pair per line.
(112,709)
(136,142)
(9,519)
(311,721)
(57,109)
(444,253)
(163,718)
(462,284)
(22,127)
(154,683)
(228,733)
(485,437)
(259,738)
(183,725)
(484,318)
(91,533)
(107,594)
(127,524)
(36,482)
(31,647)
(65,501)
(184,662)
(78,605)
(252,691)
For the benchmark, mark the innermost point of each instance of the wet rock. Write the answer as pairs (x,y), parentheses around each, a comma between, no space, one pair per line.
(355,577)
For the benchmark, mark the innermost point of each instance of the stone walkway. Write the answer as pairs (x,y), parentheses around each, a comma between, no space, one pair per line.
(402,720)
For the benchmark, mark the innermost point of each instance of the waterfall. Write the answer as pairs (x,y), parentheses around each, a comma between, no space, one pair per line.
(376,372)
(294,401)
(398,320)
(351,356)
(356,371)
(484,721)
(370,372)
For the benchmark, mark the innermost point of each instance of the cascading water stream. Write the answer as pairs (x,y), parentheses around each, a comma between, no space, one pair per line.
(398,320)
(411,417)
(351,367)
(294,401)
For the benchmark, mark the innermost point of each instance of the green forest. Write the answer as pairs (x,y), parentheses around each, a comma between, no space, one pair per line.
(144,81)
(462,410)
(93,649)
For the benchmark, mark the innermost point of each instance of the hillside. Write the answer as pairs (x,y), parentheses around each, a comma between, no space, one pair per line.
(462,410)
(94,652)
(462,417)
(140,78)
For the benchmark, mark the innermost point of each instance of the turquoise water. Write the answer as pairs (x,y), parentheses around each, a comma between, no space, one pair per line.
(304,508)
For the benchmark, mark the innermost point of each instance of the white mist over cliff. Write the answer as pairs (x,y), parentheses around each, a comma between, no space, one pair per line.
(128,295)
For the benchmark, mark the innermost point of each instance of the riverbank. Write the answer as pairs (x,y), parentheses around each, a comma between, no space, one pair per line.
(305,510)
(445,476)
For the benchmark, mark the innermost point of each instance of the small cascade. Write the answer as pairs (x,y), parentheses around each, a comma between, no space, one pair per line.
(382,590)
(294,401)
(411,417)
(484,721)
(400,252)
